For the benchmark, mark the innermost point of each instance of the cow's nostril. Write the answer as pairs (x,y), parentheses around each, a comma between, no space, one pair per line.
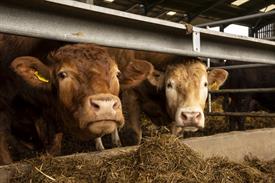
(116,105)
(95,106)
(184,117)
(197,115)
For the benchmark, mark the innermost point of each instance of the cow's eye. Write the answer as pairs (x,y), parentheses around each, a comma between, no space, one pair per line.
(205,84)
(169,85)
(62,75)
(156,75)
(118,74)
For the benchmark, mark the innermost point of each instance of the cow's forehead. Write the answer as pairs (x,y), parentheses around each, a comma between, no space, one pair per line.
(88,64)
(190,71)
(84,58)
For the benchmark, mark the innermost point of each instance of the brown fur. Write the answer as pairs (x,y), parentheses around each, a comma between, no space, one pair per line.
(187,76)
(89,71)
(134,69)
(186,73)
(12,46)
(50,106)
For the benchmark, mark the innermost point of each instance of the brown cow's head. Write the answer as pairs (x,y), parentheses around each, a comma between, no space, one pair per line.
(186,89)
(85,81)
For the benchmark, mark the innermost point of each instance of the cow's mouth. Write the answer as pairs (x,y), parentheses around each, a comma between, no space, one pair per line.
(189,128)
(102,127)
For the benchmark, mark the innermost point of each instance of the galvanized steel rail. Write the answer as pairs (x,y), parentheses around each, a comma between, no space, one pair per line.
(246,90)
(248,114)
(237,19)
(243,66)
(73,21)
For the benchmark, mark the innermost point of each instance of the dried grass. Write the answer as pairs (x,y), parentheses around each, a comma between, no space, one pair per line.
(160,159)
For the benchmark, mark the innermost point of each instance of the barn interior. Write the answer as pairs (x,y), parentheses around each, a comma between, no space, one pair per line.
(249,18)
(244,20)
(205,13)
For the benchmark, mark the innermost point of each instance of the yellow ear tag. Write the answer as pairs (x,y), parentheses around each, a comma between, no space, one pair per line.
(214,86)
(40,78)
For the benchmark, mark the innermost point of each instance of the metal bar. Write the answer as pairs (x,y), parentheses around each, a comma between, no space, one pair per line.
(248,114)
(150,6)
(270,38)
(90,1)
(209,94)
(72,21)
(132,7)
(204,10)
(237,19)
(196,41)
(249,90)
(244,66)
(161,14)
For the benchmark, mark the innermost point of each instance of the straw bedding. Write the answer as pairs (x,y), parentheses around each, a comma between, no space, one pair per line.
(159,159)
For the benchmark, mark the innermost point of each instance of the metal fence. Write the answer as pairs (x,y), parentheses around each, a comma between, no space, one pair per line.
(243,90)
(73,21)
(266,32)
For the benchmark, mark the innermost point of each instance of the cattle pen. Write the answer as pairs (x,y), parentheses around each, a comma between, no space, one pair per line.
(73,21)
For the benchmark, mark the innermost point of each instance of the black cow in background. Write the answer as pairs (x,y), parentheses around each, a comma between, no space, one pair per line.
(257,77)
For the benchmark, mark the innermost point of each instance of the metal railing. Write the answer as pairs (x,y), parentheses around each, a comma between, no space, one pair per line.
(72,21)
(243,90)
(243,66)
(248,114)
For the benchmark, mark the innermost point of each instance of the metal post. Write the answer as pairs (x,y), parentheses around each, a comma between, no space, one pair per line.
(209,94)
(196,41)
(237,19)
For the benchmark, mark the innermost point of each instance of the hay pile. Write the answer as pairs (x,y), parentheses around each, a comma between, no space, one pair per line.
(159,159)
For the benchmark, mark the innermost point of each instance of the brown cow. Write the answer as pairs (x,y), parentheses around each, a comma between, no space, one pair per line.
(174,96)
(78,90)
(12,46)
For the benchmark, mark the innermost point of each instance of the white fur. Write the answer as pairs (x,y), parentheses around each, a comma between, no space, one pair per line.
(115,138)
(98,144)
(172,100)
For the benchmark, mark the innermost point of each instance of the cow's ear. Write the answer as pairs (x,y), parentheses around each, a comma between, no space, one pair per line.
(156,78)
(216,78)
(32,71)
(134,73)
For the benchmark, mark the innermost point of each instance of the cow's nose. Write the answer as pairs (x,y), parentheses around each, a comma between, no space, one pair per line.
(105,104)
(191,117)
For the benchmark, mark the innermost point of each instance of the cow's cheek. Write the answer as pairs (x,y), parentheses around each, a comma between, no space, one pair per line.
(203,92)
(67,89)
(171,98)
(114,87)
(203,89)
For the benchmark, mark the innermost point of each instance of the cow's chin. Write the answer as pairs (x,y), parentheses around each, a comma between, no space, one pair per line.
(190,129)
(102,127)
